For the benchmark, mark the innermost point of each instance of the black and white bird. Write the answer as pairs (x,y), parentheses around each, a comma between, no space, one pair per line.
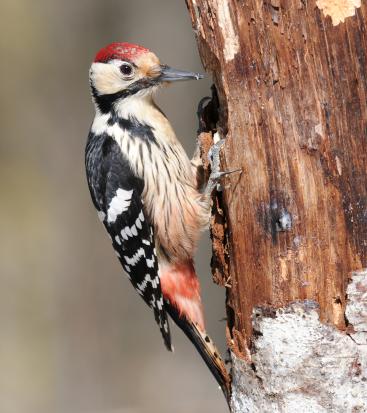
(145,190)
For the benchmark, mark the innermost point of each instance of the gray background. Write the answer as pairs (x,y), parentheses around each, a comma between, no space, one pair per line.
(74,336)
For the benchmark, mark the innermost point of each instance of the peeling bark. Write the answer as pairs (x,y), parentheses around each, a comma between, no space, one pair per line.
(291,86)
(302,365)
(338,10)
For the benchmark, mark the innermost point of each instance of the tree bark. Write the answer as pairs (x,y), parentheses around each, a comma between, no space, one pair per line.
(290,232)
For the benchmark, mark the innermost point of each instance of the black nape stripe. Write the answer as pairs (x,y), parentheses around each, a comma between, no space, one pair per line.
(135,128)
(138,129)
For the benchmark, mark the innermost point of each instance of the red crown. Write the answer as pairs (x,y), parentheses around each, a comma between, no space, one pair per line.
(120,51)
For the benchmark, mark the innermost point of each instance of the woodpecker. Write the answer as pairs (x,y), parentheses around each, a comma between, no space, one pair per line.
(146,191)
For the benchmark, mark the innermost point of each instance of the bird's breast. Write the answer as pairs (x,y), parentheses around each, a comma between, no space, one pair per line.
(171,200)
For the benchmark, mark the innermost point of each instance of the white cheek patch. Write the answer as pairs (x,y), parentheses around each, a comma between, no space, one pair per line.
(106,78)
(119,204)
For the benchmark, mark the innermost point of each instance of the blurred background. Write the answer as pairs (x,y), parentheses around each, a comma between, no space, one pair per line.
(74,336)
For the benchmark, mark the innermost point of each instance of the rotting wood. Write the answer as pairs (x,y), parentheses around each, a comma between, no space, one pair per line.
(292,97)
(302,365)
(292,93)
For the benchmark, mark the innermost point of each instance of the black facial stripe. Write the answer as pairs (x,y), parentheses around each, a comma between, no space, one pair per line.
(105,102)
(141,84)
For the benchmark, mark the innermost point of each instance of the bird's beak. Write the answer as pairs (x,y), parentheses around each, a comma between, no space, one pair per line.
(168,74)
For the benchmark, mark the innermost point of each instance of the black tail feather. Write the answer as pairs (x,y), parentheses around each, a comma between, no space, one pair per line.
(206,349)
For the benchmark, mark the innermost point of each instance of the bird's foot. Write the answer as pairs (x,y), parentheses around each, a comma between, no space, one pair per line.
(216,174)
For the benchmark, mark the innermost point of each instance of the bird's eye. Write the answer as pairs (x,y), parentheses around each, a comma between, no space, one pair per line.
(126,69)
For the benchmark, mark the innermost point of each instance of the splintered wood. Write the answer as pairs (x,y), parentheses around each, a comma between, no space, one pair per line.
(290,232)
(292,91)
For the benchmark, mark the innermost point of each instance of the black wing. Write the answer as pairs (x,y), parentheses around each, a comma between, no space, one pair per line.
(116,193)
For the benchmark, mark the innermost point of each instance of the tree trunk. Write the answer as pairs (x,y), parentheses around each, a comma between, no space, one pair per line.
(290,232)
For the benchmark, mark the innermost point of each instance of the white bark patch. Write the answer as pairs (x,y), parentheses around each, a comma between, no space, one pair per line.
(231,42)
(302,365)
(338,10)
(356,311)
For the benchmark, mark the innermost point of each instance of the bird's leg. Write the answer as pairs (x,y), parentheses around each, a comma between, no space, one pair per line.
(216,174)
(207,118)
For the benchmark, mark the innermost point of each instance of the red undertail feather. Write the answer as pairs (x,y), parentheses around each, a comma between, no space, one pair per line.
(181,287)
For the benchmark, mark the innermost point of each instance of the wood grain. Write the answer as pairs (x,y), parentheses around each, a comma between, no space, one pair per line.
(292,106)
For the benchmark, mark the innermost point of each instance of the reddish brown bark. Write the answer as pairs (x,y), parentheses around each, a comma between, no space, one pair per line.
(292,94)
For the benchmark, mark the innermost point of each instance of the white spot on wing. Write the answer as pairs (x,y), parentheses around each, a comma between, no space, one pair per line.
(119,203)
(128,231)
(138,223)
(160,303)
(150,263)
(134,231)
(117,239)
(142,286)
(135,258)
(101,215)
(123,234)
(165,326)
(145,241)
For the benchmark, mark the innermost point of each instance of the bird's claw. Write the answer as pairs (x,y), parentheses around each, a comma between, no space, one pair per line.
(214,160)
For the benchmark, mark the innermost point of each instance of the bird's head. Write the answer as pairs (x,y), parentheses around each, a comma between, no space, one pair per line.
(123,69)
